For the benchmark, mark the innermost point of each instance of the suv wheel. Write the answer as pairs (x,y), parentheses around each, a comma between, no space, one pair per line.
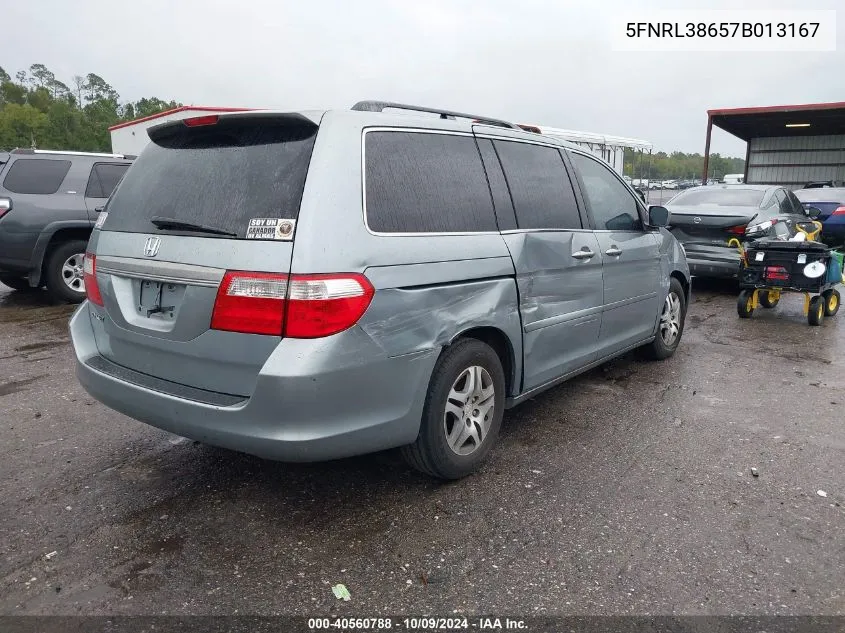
(462,414)
(671,325)
(63,271)
(15,283)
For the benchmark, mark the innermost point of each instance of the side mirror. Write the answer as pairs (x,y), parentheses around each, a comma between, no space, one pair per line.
(658,216)
(813,212)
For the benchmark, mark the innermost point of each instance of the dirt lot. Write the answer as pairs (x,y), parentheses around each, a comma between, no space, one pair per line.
(626,491)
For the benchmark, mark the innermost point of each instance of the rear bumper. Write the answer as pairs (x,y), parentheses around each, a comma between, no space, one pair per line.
(314,399)
(713,261)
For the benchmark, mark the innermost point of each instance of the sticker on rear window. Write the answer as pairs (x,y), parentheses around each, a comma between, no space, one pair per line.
(270,229)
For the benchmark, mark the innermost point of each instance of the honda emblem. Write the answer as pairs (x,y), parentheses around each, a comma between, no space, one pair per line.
(151,246)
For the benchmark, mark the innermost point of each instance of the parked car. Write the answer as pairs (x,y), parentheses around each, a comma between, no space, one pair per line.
(670,184)
(733,179)
(655,184)
(427,274)
(48,206)
(823,184)
(704,219)
(831,204)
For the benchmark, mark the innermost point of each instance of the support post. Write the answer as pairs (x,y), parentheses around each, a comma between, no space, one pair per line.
(707,150)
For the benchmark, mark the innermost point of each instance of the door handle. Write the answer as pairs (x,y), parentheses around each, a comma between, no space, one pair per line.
(583,254)
(613,251)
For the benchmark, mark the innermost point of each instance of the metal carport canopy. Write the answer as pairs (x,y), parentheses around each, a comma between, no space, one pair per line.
(810,119)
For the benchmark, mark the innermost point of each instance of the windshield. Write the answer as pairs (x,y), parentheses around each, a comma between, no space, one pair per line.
(219,176)
(722,197)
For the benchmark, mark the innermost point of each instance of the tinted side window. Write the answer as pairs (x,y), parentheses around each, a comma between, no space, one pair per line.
(498,186)
(36,175)
(426,183)
(770,202)
(784,205)
(613,206)
(540,187)
(104,178)
(796,204)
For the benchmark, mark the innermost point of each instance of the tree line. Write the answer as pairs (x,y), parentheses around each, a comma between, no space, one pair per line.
(679,166)
(38,110)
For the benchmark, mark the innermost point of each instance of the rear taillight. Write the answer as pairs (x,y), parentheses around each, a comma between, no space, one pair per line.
(776,273)
(299,306)
(737,230)
(198,121)
(321,305)
(5,206)
(836,211)
(89,275)
(253,303)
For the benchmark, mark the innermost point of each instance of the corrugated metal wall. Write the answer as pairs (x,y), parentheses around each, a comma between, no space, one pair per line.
(796,160)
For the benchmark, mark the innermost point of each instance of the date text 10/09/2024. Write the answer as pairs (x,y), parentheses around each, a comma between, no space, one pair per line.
(722,29)
(417,624)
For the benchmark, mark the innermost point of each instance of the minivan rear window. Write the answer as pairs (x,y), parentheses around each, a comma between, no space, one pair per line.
(220,175)
(36,175)
(426,183)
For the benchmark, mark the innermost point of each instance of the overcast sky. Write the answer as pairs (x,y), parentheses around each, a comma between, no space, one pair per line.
(548,63)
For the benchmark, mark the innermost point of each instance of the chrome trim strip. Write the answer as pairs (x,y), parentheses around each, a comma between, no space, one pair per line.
(69,153)
(562,318)
(544,141)
(520,231)
(628,301)
(168,272)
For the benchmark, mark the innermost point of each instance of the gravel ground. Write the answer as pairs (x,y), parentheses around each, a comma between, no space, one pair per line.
(626,491)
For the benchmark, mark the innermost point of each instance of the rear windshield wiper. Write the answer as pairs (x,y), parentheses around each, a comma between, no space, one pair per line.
(162,222)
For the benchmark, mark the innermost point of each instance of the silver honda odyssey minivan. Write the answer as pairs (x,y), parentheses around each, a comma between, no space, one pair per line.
(313,285)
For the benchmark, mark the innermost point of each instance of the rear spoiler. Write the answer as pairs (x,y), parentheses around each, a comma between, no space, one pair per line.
(211,121)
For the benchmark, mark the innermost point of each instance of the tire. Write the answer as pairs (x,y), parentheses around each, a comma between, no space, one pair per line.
(671,326)
(65,255)
(832,301)
(743,304)
(816,314)
(765,297)
(15,283)
(432,453)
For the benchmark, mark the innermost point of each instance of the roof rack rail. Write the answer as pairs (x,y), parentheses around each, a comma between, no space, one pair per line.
(25,150)
(379,106)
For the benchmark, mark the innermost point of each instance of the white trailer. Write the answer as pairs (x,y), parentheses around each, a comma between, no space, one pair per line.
(609,148)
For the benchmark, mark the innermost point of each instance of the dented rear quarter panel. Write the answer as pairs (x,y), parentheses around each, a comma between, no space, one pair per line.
(429,288)
(672,260)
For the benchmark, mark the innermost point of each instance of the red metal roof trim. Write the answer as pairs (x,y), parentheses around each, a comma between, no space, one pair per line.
(174,111)
(781,108)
